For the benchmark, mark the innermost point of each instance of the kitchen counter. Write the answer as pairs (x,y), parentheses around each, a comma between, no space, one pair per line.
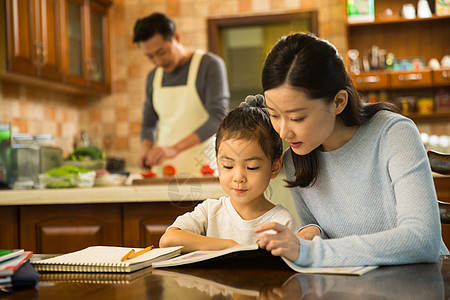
(115,194)
(65,220)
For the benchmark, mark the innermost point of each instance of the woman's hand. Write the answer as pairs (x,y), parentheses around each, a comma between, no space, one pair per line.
(309,232)
(282,243)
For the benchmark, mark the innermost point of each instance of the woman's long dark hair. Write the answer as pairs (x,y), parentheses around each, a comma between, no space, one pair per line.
(314,65)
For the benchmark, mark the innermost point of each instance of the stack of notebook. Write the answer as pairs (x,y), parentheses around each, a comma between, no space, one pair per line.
(16,270)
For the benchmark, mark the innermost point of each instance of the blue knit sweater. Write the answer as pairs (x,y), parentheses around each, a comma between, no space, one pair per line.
(374,199)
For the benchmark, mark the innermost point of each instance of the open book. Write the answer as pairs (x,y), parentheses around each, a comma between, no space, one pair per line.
(104,259)
(251,256)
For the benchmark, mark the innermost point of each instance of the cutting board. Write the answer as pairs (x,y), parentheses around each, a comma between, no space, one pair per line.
(176,180)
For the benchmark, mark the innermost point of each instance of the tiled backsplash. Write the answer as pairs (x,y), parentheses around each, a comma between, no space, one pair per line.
(37,111)
(113,121)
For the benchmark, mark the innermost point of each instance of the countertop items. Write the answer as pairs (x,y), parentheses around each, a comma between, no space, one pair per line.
(180,191)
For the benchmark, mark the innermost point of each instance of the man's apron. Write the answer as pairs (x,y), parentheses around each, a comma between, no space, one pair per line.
(181,112)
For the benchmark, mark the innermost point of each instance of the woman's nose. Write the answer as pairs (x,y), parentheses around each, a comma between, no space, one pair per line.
(284,131)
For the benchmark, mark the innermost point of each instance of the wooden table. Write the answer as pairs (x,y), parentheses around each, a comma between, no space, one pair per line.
(420,281)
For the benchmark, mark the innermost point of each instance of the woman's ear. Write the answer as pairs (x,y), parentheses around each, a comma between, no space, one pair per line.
(276,167)
(340,101)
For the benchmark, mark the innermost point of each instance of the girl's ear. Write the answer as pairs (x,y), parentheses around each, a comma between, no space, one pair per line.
(276,167)
(340,101)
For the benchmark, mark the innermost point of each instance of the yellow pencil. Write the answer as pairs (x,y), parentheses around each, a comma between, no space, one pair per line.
(134,254)
(127,256)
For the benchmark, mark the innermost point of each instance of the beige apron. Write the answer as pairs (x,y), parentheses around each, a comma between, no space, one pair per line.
(181,112)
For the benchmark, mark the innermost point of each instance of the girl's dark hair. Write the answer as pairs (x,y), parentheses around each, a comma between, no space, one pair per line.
(314,65)
(155,23)
(251,121)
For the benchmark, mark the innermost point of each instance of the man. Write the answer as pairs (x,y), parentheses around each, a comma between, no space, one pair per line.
(186,98)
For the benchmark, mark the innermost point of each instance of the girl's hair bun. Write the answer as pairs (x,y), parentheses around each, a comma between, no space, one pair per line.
(253,101)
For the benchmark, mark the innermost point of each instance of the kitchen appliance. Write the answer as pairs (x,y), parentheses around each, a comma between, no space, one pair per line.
(24,162)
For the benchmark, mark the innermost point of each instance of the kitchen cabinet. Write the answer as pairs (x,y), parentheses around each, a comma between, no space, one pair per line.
(85,46)
(54,44)
(66,228)
(9,227)
(405,38)
(145,223)
(33,38)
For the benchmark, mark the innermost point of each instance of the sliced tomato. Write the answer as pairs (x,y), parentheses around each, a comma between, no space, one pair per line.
(149,174)
(207,170)
(169,170)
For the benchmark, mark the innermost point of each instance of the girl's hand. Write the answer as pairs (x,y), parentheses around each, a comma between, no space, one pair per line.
(308,233)
(282,243)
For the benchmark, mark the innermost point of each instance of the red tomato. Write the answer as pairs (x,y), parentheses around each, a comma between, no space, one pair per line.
(149,174)
(207,170)
(169,170)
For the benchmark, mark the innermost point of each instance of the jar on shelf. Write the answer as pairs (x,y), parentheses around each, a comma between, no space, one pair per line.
(425,105)
(22,138)
(45,140)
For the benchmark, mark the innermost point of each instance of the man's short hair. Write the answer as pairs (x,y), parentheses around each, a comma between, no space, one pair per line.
(156,23)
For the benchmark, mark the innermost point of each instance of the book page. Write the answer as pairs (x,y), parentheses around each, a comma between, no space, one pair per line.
(106,255)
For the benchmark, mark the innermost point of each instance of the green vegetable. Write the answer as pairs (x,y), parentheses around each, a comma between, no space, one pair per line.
(66,170)
(65,176)
(62,181)
(86,153)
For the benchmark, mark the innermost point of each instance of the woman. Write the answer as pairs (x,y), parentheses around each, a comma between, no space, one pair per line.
(359,171)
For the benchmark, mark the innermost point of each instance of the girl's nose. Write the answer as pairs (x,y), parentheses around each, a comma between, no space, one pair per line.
(239,175)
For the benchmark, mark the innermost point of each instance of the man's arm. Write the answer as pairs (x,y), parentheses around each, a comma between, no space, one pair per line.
(212,86)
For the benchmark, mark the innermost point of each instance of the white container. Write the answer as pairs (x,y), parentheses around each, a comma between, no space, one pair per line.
(408,11)
(423,9)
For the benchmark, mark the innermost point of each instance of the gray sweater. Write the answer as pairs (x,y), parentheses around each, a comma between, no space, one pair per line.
(374,199)
(212,87)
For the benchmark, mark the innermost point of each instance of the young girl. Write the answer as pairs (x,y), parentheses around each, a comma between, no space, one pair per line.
(248,153)
(359,171)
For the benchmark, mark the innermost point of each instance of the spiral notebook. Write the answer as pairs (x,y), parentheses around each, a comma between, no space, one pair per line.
(104,259)
(94,278)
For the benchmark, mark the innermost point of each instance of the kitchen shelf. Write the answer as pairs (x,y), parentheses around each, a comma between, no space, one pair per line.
(405,38)
(397,19)
(392,80)
(435,117)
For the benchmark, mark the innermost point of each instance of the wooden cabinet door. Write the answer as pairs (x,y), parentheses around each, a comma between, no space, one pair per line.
(21,37)
(411,79)
(9,227)
(145,223)
(33,38)
(48,39)
(442,77)
(85,43)
(66,228)
(74,48)
(370,80)
(99,60)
